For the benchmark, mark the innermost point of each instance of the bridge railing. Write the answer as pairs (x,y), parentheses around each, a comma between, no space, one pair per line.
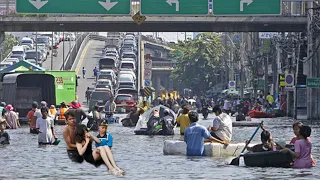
(71,56)
(7,8)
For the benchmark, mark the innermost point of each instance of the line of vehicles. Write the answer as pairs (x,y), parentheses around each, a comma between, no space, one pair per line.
(118,72)
(36,48)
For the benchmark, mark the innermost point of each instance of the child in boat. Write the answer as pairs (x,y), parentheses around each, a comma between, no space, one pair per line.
(302,148)
(266,145)
(296,127)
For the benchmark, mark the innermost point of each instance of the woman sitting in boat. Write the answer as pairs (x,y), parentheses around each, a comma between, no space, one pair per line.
(302,149)
(257,106)
(266,145)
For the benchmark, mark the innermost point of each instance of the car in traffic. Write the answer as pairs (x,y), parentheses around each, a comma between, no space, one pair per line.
(126,84)
(124,102)
(129,55)
(27,41)
(4,65)
(20,57)
(18,50)
(44,49)
(108,62)
(33,54)
(13,60)
(126,78)
(131,91)
(128,72)
(44,40)
(99,96)
(128,65)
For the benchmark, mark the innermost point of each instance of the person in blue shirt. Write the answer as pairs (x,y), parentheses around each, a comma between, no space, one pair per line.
(195,136)
(83,72)
(104,137)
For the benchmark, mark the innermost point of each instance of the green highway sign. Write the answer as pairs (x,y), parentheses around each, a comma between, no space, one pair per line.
(174,7)
(103,7)
(313,82)
(246,7)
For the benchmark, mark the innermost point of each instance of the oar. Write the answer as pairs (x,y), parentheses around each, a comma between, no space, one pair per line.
(252,136)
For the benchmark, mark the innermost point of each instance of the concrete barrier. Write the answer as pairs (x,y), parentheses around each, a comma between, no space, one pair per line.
(172,147)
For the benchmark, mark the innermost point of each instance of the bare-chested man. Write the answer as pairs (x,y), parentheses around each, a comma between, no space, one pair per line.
(69,137)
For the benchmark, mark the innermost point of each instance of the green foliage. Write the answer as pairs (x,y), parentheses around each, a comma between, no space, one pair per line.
(7,44)
(196,61)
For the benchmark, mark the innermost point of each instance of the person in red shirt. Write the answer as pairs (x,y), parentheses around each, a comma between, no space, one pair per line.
(296,128)
(32,122)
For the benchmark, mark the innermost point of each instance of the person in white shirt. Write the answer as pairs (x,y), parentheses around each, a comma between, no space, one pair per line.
(226,106)
(45,125)
(221,125)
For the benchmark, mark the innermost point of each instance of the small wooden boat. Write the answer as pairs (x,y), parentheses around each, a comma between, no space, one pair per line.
(263,159)
(259,114)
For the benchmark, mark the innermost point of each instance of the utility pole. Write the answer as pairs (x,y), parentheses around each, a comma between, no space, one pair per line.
(242,80)
(37,56)
(63,60)
(266,75)
(309,53)
(52,51)
(255,64)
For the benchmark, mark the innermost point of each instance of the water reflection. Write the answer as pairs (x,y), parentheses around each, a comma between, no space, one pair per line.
(142,158)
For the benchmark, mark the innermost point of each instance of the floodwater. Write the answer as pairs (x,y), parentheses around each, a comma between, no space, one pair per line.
(142,158)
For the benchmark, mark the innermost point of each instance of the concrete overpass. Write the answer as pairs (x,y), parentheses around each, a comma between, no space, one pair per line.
(155,24)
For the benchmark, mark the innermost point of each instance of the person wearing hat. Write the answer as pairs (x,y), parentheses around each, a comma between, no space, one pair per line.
(11,117)
(80,114)
(4,136)
(167,123)
(105,137)
(32,121)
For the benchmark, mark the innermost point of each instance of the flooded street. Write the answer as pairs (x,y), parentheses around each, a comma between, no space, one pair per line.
(142,157)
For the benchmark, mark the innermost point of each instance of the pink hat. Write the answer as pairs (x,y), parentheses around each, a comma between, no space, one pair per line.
(75,104)
(9,107)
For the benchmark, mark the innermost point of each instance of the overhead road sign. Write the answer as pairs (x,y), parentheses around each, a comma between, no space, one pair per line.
(138,18)
(103,7)
(174,7)
(247,7)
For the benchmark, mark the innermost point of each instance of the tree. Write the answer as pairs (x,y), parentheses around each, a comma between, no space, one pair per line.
(196,61)
(7,45)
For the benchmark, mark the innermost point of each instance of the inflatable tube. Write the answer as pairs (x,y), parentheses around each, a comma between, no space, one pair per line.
(245,124)
(263,159)
(172,147)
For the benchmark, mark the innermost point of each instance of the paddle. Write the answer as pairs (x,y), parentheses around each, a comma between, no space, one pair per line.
(252,136)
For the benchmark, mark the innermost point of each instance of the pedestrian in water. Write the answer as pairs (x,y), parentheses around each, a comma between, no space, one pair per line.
(83,72)
(4,136)
(84,146)
(80,114)
(60,113)
(53,111)
(11,117)
(32,121)
(45,125)
(2,108)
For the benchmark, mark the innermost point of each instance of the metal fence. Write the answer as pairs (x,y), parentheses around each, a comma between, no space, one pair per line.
(7,8)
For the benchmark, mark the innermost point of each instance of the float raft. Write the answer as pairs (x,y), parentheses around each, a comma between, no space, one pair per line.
(172,147)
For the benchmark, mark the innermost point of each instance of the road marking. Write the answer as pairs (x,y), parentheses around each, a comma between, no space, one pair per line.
(84,53)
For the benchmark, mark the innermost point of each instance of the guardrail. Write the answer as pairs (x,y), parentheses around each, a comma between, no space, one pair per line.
(71,56)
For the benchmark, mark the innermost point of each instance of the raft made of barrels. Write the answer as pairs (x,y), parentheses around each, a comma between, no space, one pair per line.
(263,159)
(172,147)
